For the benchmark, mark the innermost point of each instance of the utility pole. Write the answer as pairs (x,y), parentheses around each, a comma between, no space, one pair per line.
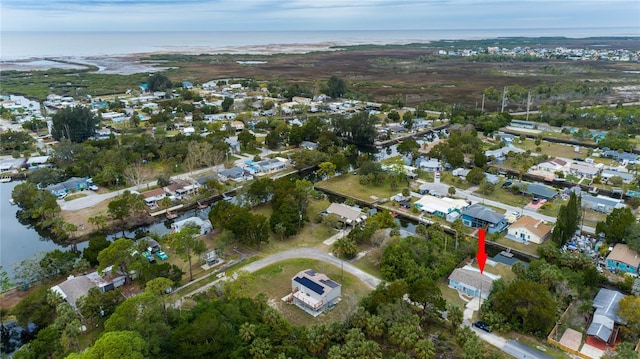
(504,98)
(528,104)
(482,108)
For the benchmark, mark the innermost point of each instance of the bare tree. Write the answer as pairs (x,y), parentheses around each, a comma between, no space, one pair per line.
(137,174)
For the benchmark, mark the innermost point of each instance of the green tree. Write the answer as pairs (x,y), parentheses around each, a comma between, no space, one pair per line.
(567,220)
(336,87)
(408,147)
(118,344)
(326,169)
(73,123)
(345,247)
(629,309)
(455,316)
(227,103)
(475,176)
(120,255)
(186,244)
(246,139)
(616,225)
(425,349)
(96,244)
(426,292)
(159,82)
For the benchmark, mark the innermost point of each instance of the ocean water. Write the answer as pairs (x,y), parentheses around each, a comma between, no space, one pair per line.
(26,45)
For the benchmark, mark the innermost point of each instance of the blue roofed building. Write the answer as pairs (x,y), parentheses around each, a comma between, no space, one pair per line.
(72,184)
(538,190)
(313,292)
(479,216)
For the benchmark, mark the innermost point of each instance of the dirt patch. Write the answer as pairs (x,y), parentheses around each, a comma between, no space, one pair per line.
(81,217)
(571,338)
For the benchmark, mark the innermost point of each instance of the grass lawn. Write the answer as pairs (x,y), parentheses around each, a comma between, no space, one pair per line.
(551,149)
(531,248)
(370,263)
(350,185)
(275,282)
(451,296)
(452,180)
(551,208)
(591,218)
(504,196)
(500,269)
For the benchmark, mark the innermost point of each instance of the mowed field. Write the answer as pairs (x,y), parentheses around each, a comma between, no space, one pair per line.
(275,282)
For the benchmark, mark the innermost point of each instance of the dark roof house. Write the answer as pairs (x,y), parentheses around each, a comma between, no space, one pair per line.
(479,216)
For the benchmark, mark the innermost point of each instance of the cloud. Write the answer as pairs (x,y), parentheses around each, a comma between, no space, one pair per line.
(291,15)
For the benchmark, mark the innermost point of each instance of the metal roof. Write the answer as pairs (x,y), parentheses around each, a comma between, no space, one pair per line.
(484,213)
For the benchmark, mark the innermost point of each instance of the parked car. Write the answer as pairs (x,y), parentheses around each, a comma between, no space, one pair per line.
(507,184)
(62,195)
(93,187)
(162,255)
(482,325)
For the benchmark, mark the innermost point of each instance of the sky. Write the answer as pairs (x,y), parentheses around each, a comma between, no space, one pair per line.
(308,15)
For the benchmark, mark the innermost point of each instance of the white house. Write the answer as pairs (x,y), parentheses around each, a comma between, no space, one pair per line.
(528,229)
(469,281)
(314,292)
(440,207)
(205,225)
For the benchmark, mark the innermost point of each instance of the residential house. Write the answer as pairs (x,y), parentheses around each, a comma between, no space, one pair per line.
(204,225)
(524,124)
(314,292)
(583,169)
(441,207)
(347,214)
(72,184)
(553,165)
(461,172)
(621,156)
(236,174)
(75,287)
(479,216)
(307,145)
(538,190)
(11,165)
(469,281)
(421,124)
(35,161)
(605,322)
(429,165)
(625,176)
(500,154)
(151,198)
(623,259)
(528,229)
(237,125)
(602,204)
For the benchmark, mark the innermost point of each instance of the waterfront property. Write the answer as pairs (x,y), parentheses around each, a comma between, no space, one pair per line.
(72,184)
(75,287)
(204,225)
(528,229)
(441,207)
(346,214)
(479,216)
(469,281)
(314,292)
(623,259)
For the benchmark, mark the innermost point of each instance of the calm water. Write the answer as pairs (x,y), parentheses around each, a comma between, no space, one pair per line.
(18,242)
(23,45)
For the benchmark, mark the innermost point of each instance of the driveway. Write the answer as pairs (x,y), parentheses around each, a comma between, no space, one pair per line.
(511,347)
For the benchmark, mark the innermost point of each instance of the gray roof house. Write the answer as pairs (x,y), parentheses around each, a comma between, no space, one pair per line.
(605,322)
(235,174)
(601,203)
(72,184)
(347,214)
(479,216)
(626,177)
(538,190)
(471,282)
(75,287)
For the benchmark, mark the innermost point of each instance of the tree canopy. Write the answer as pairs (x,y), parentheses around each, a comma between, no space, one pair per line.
(75,124)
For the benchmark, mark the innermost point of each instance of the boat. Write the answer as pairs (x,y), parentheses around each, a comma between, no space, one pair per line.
(5,179)
(12,201)
(171,215)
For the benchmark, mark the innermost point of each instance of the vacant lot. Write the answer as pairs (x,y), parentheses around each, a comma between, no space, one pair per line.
(275,282)
(349,185)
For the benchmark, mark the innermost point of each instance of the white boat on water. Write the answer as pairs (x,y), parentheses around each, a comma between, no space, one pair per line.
(12,201)
(5,179)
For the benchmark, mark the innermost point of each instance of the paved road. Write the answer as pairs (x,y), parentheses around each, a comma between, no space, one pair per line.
(310,253)
(511,347)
